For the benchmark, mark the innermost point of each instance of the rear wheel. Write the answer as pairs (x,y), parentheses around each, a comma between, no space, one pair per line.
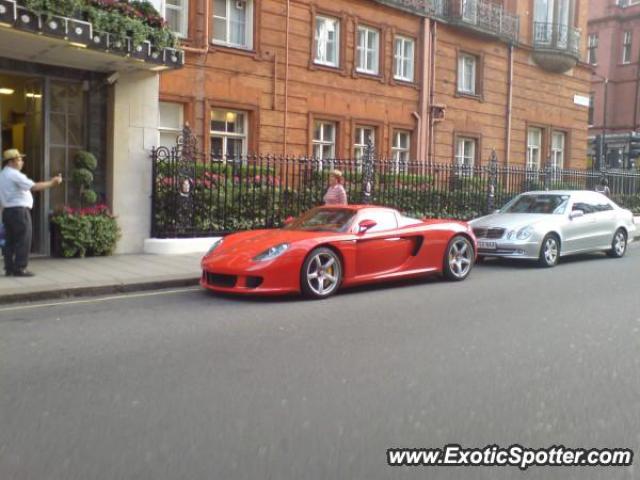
(549,251)
(321,273)
(618,244)
(458,259)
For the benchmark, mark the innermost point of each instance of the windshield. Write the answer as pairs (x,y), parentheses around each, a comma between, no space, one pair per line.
(540,203)
(323,220)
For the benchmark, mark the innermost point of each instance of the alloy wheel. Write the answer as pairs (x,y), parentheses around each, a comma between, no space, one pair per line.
(620,243)
(460,257)
(323,273)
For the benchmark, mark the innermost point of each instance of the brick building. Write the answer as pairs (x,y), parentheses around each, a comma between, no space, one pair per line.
(437,80)
(614,52)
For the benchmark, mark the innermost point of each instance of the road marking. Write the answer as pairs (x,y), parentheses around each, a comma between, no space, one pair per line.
(102,299)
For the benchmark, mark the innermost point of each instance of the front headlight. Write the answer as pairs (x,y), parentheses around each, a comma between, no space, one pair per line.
(272,252)
(525,232)
(215,245)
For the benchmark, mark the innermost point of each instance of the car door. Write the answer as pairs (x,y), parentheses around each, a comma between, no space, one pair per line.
(606,221)
(382,249)
(579,231)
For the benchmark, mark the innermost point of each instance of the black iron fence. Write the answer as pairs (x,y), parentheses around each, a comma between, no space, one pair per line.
(200,195)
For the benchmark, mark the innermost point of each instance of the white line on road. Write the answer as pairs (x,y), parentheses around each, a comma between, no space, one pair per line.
(102,299)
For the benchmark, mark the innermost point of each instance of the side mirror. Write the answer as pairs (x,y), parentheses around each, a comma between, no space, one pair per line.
(576,214)
(365,225)
(288,220)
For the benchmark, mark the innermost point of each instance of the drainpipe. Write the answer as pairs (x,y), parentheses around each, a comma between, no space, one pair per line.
(419,129)
(286,79)
(425,88)
(204,49)
(507,146)
(432,91)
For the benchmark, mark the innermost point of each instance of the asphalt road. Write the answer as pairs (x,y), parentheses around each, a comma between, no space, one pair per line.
(191,385)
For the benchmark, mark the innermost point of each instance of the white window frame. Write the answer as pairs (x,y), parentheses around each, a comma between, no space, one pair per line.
(400,154)
(462,74)
(534,150)
(248,40)
(183,12)
(403,60)
(226,135)
(321,55)
(465,162)
(558,149)
(171,129)
(627,39)
(360,141)
(592,47)
(364,34)
(324,140)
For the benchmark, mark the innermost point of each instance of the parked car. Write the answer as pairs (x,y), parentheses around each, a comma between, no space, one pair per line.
(338,246)
(545,226)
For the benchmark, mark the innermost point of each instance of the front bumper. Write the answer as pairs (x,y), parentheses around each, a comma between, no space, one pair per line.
(526,249)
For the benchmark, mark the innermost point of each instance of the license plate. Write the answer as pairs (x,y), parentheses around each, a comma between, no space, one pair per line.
(487,245)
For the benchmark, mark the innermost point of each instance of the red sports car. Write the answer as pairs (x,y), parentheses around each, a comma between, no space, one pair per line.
(333,246)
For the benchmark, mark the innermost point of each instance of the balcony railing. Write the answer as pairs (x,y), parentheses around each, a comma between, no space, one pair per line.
(556,37)
(486,17)
(481,16)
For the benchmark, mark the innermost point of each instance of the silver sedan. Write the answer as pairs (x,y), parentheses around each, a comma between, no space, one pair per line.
(545,226)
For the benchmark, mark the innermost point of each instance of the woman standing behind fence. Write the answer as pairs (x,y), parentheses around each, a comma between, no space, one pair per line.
(336,194)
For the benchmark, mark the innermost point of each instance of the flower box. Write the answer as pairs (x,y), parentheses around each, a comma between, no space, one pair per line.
(54,25)
(79,31)
(119,45)
(27,20)
(142,51)
(173,57)
(100,40)
(8,11)
(157,56)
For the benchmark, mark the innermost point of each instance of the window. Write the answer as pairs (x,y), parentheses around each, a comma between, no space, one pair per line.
(557,150)
(592,99)
(467,66)
(626,47)
(170,123)
(363,134)
(176,14)
(233,23)
(228,134)
(465,155)
(401,149)
(592,47)
(385,219)
(534,145)
(324,140)
(404,58)
(327,41)
(368,50)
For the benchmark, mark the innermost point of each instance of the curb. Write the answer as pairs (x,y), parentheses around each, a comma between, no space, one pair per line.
(96,291)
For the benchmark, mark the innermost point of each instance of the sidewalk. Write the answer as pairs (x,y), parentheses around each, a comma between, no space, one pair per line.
(62,277)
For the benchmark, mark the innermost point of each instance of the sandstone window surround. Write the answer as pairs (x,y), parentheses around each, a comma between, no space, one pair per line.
(327,41)
(324,139)
(229,134)
(170,123)
(233,23)
(468,74)
(558,146)
(534,147)
(404,58)
(368,50)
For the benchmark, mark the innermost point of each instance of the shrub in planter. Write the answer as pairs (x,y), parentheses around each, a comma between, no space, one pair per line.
(82,176)
(85,232)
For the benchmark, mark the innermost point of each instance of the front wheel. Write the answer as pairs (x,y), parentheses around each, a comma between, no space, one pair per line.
(458,259)
(618,244)
(321,273)
(549,251)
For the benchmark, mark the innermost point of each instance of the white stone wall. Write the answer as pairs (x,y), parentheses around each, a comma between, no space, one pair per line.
(135,131)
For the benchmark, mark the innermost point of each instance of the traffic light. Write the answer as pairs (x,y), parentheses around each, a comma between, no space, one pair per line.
(634,145)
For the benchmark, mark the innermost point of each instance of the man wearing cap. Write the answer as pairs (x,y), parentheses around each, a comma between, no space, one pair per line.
(16,202)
